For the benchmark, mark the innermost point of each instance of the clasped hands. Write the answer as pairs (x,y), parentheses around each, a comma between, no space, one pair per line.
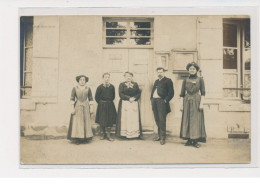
(131,99)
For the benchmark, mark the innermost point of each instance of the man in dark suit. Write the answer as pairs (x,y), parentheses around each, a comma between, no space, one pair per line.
(161,95)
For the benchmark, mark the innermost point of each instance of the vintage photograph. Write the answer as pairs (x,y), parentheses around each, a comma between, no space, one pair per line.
(135,90)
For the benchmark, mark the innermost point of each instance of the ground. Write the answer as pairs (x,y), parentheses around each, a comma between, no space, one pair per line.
(121,151)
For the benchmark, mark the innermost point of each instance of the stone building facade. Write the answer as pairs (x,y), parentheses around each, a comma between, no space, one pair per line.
(55,49)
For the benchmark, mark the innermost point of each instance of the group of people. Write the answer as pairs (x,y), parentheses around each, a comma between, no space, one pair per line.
(128,118)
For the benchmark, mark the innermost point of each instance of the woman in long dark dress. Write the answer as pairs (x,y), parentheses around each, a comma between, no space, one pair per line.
(128,120)
(193,93)
(82,106)
(106,111)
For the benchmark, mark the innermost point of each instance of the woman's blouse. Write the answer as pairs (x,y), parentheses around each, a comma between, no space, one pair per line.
(193,85)
(81,94)
(105,93)
(128,90)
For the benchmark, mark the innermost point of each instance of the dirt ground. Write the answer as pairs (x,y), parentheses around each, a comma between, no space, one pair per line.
(121,151)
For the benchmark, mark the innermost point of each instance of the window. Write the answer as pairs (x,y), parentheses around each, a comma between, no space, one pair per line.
(26,51)
(128,32)
(236,59)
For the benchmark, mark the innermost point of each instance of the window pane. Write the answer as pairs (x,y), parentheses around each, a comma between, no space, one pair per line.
(229,35)
(28,79)
(115,32)
(115,24)
(140,41)
(247,58)
(247,35)
(115,41)
(28,35)
(28,59)
(247,81)
(230,81)
(141,33)
(229,58)
(135,25)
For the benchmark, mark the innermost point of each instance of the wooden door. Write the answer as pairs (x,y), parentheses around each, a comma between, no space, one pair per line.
(139,62)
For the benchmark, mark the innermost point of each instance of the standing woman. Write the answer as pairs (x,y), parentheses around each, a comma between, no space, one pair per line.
(193,93)
(82,106)
(128,120)
(106,111)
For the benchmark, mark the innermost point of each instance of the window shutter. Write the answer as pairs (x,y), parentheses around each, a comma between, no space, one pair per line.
(210,44)
(45,56)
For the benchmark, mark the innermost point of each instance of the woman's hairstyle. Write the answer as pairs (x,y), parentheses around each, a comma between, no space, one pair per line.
(192,64)
(105,74)
(130,73)
(80,76)
(161,68)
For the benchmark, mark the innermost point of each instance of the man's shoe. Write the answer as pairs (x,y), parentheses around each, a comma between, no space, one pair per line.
(162,141)
(156,139)
(141,137)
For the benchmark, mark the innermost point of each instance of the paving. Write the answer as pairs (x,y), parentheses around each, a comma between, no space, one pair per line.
(133,151)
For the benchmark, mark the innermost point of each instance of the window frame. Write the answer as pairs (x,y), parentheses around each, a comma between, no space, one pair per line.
(240,71)
(25,22)
(128,31)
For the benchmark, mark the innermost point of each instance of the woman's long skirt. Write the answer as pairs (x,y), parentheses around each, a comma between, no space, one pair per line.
(128,120)
(106,113)
(80,122)
(192,124)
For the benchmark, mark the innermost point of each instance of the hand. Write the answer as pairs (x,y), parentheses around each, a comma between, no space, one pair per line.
(181,104)
(201,103)
(201,106)
(132,99)
(181,108)
(91,110)
(72,110)
(165,101)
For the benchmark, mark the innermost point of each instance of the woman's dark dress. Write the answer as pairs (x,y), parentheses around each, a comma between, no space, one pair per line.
(125,93)
(192,124)
(106,111)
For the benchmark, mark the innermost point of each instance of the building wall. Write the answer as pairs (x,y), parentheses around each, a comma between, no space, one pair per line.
(66,46)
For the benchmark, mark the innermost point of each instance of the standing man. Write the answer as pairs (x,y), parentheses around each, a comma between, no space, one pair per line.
(161,95)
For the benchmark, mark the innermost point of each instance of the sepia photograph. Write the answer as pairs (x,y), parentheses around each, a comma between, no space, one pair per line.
(135,89)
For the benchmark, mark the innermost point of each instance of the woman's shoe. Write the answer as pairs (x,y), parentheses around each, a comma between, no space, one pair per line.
(196,145)
(188,143)
(156,138)
(109,137)
(102,137)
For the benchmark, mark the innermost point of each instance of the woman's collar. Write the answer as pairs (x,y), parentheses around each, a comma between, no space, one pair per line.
(81,87)
(129,84)
(193,76)
(106,85)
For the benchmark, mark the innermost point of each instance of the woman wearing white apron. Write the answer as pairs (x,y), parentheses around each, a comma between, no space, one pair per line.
(128,120)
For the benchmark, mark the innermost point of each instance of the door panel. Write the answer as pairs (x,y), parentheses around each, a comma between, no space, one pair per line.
(116,63)
(140,63)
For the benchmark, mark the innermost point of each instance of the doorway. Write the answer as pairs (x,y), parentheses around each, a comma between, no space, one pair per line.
(139,62)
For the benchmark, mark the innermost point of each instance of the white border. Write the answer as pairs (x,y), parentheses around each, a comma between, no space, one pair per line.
(9,98)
